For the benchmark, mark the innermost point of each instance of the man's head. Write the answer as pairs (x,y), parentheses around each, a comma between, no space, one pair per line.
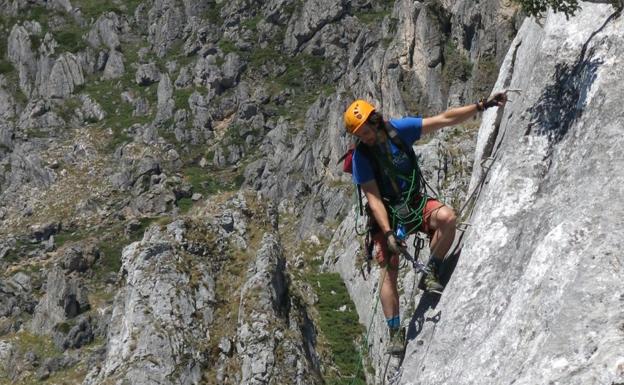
(362,120)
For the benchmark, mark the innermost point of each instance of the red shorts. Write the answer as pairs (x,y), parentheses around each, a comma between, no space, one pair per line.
(382,255)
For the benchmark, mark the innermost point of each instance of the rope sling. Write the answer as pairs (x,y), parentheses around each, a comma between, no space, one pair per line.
(403,211)
(405,208)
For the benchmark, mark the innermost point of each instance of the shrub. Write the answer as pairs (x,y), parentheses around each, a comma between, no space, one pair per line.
(5,67)
(537,7)
(341,328)
(70,40)
(456,65)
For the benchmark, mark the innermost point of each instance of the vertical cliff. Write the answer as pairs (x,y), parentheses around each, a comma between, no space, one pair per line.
(537,297)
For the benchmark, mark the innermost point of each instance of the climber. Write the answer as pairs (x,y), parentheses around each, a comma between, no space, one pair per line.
(385,167)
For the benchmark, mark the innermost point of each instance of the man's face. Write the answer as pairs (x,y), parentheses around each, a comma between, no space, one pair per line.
(367,134)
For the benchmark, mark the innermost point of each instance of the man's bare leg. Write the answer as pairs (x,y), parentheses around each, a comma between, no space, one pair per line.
(443,221)
(389,294)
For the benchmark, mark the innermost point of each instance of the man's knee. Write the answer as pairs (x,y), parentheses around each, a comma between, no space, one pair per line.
(446,217)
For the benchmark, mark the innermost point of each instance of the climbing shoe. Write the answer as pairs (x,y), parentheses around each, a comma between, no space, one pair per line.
(430,282)
(396,345)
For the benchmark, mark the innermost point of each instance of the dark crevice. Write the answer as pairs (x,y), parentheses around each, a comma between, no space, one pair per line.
(493,138)
(563,102)
(470,30)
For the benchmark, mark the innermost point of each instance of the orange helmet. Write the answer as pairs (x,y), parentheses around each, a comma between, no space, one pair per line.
(357,113)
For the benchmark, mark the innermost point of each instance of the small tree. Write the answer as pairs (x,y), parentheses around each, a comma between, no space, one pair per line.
(537,7)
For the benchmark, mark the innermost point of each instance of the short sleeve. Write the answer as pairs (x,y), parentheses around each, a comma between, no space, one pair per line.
(362,169)
(409,128)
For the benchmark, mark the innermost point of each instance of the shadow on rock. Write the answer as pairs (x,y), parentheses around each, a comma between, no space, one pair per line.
(429,301)
(448,267)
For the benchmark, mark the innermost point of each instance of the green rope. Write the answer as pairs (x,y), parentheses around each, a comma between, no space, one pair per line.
(414,217)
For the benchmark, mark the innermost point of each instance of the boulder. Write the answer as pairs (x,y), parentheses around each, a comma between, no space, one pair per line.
(114,65)
(147,74)
(65,297)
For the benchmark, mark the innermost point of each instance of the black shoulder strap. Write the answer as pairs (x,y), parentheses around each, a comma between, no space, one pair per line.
(375,160)
(393,134)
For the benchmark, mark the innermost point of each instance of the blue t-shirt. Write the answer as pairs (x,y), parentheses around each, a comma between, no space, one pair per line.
(409,129)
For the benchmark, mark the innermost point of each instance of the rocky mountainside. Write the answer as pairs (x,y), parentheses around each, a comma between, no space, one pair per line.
(536,297)
(168,187)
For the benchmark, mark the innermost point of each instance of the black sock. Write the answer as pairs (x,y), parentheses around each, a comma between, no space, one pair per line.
(434,261)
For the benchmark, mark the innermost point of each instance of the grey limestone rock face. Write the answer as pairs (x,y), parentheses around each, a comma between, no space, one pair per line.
(20,53)
(161,315)
(105,32)
(165,21)
(232,69)
(27,168)
(78,335)
(91,110)
(6,353)
(309,19)
(16,296)
(256,341)
(7,103)
(114,65)
(262,328)
(65,75)
(40,115)
(165,102)
(147,74)
(65,298)
(536,297)
(202,118)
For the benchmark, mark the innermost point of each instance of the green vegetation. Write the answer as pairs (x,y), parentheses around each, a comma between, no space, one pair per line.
(118,112)
(303,78)
(252,24)
(234,135)
(181,97)
(537,7)
(5,66)
(227,46)
(303,75)
(301,68)
(456,65)
(213,13)
(485,77)
(375,14)
(70,39)
(22,247)
(112,244)
(92,9)
(65,237)
(185,205)
(340,328)
(69,36)
(42,346)
(207,181)
(44,349)
(66,110)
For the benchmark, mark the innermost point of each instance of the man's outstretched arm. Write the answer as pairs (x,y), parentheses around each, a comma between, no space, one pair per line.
(460,114)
